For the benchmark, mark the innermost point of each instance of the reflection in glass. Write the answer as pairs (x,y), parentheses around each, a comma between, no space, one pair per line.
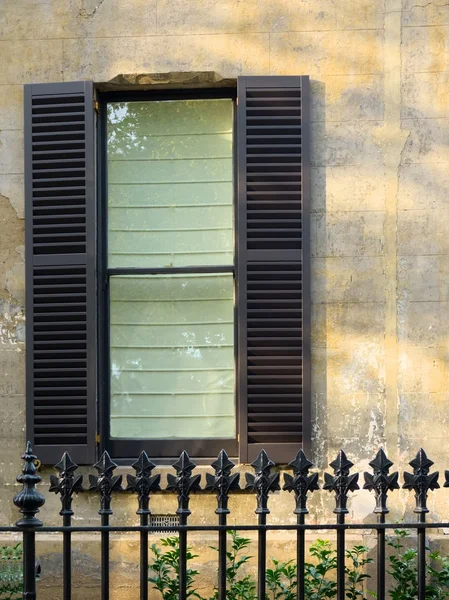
(172,356)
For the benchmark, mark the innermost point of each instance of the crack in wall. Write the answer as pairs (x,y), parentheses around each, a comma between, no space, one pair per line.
(84,14)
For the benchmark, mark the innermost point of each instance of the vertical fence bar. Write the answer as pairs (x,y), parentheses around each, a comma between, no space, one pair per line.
(183,484)
(105,483)
(422,559)
(222,482)
(420,482)
(263,482)
(341,482)
(301,483)
(66,484)
(29,500)
(143,484)
(381,482)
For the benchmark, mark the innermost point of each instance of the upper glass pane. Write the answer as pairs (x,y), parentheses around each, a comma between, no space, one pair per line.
(170,190)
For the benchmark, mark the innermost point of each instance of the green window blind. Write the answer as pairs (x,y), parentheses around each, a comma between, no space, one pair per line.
(170,183)
(170,203)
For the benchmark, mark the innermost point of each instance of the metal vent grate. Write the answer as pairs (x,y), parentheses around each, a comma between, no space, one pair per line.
(163,521)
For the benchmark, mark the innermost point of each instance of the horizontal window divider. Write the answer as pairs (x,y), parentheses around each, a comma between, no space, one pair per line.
(159,135)
(173,324)
(174,394)
(167,253)
(198,369)
(207,269)
(170,206)
(186,347)
(170,158)
(180,229)
(162,416)
(165,182)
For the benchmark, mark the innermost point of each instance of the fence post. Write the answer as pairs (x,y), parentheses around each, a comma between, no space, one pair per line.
(301,483)
(341,482)
(29,500)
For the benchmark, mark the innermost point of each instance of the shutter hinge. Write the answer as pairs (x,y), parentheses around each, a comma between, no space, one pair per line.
(237,101)
(97,438)
(97,106)
(238,438)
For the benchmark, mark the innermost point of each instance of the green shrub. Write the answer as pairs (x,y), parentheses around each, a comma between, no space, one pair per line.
(11,575)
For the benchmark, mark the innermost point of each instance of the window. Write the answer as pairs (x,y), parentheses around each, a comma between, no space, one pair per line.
(170,254)
(168,275)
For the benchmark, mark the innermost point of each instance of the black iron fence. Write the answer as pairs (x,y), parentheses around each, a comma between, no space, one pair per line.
(222,482)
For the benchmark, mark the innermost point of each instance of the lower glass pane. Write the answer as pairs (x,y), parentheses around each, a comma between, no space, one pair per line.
(172,356)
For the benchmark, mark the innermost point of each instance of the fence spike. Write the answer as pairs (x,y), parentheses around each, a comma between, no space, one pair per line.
(66,484)
(29,500)
(183,483)
(143,482)
(222,482)
(381,481)
(301,483)
(263,482)
(420,481)
(105,482)
(341,482)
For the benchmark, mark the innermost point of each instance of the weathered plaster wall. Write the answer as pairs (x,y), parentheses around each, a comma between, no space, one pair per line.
(380,226)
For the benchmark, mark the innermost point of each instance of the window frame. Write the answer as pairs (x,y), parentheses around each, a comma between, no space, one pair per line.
(163,450)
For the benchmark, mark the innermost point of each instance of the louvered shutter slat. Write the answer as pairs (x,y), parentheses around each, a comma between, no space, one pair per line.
(60,270)
(273,266)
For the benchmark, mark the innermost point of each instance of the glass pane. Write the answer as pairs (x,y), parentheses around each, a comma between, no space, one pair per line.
(170,188)
(172,356)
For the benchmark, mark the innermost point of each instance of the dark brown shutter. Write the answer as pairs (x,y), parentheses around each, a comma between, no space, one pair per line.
(273,266)
(60,270)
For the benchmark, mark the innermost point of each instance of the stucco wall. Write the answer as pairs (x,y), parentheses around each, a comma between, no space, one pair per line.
(380,226)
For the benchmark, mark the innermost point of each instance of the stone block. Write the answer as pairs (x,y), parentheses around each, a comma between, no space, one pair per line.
(11,151)
(426,142)
(104,58)
(11,107)
(318,189)
(348,279)
(353,324)
(423,232)
(421,413)
(423,278)
(355,188)
(423,186)
(344,144)
(359,417)
(425,49)
(348,234)
(35,61)
(232,16)
(359,368)
(12,382)
(424,370)
(367,14)
(425,13)
(12,187)
(327,53)
(423,323)
(348,98)
(53,19)
(425,95)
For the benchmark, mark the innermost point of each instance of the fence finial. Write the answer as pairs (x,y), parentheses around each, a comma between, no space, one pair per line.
(263,482)
(183,483)
(66,484)
(105,482)
(421,482)
(381,481)
(341,482)
(143,482)
(301,483)
(29,500)
(222,482)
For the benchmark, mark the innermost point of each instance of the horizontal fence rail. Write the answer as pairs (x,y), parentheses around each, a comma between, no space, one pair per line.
(222,482)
